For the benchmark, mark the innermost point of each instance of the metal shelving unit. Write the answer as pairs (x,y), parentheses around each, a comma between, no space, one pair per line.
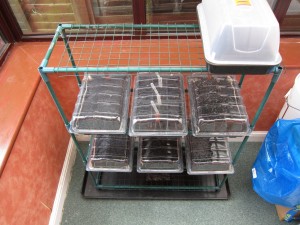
(131,49)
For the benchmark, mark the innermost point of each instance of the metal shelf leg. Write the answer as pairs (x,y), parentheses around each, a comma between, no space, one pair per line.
(61,112)
(241,80)
(275,78)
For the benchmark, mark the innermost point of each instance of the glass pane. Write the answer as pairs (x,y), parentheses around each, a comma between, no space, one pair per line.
(291,21)
(2,43)
(172,11)
(272,3)
(294,8)
(3,48)
(176,11)
(42,16)
(112,11)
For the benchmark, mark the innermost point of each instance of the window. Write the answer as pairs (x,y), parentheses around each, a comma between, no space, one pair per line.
(2,43)
(172,11)
(112,11)
(40,17)
(291,21)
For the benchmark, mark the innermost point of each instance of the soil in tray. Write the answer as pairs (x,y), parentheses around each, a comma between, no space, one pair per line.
(165,82)
(220,90)
(100,104)
(208,154)
(91,124)
(110,151)
(103,98)
(215,98)
(204,80)
(170,118)
(158,149)
(163,91)
(160,154)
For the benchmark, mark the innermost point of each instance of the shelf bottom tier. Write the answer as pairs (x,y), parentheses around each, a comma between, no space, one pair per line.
(135,185)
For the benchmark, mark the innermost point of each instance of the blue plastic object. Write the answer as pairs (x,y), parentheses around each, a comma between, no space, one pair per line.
(291,214)
(276,171)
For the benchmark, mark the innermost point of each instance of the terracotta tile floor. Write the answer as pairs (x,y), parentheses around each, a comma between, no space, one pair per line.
(20,82)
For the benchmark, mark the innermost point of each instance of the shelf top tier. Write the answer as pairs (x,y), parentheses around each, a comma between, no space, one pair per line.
(125,48)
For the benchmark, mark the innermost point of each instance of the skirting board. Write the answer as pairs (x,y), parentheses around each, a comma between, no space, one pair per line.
(65,177)
(62,189)
(256,136)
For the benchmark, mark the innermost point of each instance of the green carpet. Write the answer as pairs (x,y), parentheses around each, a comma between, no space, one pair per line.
(243,207)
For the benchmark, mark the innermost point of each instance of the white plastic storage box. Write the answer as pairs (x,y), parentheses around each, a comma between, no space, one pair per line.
(239,36)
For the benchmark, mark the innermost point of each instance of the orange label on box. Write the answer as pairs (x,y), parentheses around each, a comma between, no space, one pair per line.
(242,2)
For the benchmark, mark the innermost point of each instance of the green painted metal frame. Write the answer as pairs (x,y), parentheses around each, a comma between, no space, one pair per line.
(44,70)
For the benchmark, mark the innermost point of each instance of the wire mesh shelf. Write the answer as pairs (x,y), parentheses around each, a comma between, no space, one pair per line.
(126,48)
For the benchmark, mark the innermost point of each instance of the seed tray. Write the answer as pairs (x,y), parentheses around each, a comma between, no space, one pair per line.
(201,80)
(163,91)
(215,98)
(111,153)
(158,79)
(221,120)
(220,90)
(216,110)
(160,155)
(158,110)
(103,80)
(208,156)
(103,97)
(166,96)
(102,104)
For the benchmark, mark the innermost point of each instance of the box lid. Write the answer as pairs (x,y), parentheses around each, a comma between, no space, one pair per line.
(238,32)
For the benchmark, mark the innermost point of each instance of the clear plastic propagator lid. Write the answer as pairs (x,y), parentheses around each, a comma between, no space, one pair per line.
(110,153)
(239,32)
(102,104)
(160,155)
(206,155)
(217,108)
(159,105)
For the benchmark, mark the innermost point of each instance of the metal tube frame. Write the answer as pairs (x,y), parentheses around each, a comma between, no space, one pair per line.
(63,35)
(44,70)
(241,80)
